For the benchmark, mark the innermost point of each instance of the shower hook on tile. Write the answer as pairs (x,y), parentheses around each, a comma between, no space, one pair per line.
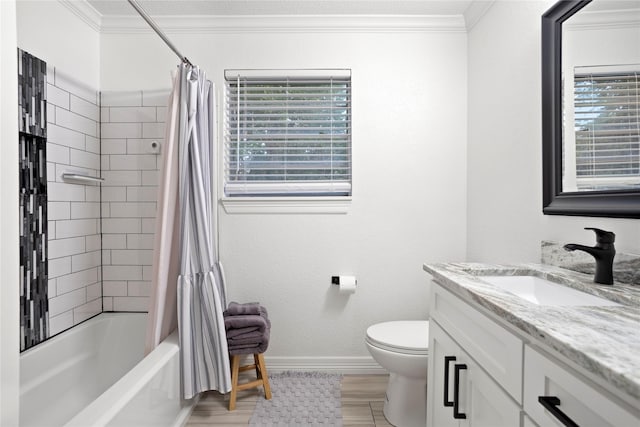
(158,31)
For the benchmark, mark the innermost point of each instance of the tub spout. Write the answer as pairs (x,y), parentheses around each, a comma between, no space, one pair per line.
(604,251)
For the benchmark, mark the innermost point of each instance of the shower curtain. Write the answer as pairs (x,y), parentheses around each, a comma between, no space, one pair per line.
(187,209)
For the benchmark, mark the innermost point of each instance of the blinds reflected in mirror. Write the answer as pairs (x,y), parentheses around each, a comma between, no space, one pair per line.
(607,129)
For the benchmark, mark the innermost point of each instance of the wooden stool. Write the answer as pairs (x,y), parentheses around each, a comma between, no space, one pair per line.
(261,374)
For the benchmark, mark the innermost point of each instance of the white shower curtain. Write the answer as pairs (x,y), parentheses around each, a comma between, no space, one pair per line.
(201,296)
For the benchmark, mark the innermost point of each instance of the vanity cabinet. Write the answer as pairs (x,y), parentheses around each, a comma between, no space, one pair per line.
(482,373)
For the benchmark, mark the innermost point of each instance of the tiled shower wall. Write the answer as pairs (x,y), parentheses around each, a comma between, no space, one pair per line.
(73,145)
(131,122)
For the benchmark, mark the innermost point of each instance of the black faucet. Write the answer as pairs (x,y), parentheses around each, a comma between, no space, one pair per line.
(603,252)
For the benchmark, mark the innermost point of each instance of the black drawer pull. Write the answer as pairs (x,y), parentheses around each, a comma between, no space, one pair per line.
(456,391)
(447,359)
(551,404)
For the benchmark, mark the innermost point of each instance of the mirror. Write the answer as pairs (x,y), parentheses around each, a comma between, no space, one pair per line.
(591,108)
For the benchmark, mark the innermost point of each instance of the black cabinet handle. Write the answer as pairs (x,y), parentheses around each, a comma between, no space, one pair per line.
(456,391)
(551,404)
(447,359)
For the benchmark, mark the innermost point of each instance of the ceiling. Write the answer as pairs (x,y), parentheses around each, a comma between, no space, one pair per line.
(108,8)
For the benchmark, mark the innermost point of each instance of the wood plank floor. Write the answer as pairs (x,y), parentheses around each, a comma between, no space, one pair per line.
(362,401)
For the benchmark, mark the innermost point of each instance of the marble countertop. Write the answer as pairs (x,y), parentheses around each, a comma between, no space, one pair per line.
(604,340)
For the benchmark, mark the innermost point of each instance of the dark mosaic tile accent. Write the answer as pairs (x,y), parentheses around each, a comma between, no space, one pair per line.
(34,303)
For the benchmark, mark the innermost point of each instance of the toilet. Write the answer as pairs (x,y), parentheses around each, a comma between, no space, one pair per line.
(402,348)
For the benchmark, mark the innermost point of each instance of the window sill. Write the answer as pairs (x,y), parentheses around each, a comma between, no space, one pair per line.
(286,205)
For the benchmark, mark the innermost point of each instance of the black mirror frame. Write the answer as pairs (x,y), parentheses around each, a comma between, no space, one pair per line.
(614,204)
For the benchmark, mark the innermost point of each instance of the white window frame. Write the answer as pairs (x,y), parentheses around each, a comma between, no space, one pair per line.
(299,202)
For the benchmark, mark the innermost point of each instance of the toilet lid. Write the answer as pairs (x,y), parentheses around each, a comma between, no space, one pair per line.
(404,336)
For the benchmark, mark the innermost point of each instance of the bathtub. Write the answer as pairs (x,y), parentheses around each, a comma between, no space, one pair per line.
(95,375)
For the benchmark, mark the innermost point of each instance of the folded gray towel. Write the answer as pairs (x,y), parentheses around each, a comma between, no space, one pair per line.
(236,309)
(239,338)
(258,347)
(247,321)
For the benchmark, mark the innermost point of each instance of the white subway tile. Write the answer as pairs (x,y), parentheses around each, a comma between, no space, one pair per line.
(92,144)
(104,115)
(57,153)
(142,194)
(114,146)
(114,288)
(94,291)
(122,272)
(114,194)
(156,98)
(121,178)
(131,257)
(121,130)
(140,241)
(133,162)
(153,130)
(85,108)
(85,311)
(161,114)
(51,114)
(132,114)
(105,210)
(151,177)
(51,228)
(81,210)
(85,159)
(92,193)
(51,171)
(77,280)
(58,210)
(65,192)
(65,137)
(85,261)
(121,225)
(116,241)
(60,323)
(57,97)
(104,163)
(75,228)
(93,243)
(75,87)
(137,304)
(142,146)
(133,210)
(107,304)
(106,256)
(148,225)
(147,272)
(60,267)
(121,99)
(139,289)
(52,290)
(65,302)
(76,122)
(51,72)
(65,247)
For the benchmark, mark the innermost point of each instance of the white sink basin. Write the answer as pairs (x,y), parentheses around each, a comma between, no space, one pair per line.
(543,292)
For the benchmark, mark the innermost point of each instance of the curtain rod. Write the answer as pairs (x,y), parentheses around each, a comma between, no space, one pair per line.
(158,31)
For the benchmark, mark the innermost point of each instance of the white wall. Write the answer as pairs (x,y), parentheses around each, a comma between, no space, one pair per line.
(52,32)
(9,242)
(409,183)
(505,221)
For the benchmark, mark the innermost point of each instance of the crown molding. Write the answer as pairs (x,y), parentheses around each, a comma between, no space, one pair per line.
(475,12)
(598,20)
(286,24)
(83,10)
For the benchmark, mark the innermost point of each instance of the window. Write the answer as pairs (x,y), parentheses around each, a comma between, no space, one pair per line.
(287,133)
(607,129)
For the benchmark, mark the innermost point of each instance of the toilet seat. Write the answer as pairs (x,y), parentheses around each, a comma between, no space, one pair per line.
(403,336)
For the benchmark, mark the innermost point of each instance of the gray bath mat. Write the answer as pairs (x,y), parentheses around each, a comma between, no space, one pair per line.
(300,399)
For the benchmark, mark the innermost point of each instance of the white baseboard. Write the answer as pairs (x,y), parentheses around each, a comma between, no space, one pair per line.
(341,365)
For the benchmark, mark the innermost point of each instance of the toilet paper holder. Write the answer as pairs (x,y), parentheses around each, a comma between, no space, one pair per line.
(336,280)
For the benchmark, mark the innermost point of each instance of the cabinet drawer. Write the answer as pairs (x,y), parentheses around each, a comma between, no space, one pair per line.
(582,403)
(497,350)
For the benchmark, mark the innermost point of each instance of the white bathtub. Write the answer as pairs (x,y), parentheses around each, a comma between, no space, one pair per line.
(94,375)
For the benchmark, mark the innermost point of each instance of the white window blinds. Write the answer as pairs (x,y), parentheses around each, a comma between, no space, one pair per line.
(288,133)
(607,129)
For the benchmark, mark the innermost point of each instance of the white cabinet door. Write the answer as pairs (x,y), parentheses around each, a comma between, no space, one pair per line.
(479,401)
(443,354)
(567,395)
